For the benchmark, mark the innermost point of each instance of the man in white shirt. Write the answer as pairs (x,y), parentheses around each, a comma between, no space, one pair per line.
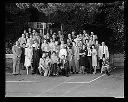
(89,55)
(22,40)
(103,52)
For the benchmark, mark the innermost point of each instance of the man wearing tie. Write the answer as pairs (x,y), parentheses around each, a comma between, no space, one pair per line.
(16,49)
(103,52)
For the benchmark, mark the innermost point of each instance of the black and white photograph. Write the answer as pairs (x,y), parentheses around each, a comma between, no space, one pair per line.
(64,49)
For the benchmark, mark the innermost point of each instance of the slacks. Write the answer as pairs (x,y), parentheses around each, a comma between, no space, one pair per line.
(16,65)
(90,64)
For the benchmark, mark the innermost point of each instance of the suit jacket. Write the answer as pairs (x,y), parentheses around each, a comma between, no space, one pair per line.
(17,51)
(103,50)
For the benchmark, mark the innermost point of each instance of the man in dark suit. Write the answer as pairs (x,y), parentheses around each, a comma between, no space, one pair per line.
(16,49)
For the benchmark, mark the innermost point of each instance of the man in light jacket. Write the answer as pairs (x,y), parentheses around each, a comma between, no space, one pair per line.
(103,52)
(16,49)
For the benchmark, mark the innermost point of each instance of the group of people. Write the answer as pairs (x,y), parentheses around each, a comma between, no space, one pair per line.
(58,54)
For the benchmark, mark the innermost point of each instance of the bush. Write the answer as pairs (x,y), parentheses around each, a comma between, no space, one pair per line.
(8,51)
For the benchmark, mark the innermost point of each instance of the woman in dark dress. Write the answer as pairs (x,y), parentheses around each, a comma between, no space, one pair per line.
(36,58)
(22,60)
(83,59)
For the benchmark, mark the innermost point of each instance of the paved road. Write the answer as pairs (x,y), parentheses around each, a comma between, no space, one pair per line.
(77,85)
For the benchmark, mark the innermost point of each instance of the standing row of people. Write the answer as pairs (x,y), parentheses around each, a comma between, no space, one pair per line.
(48,53)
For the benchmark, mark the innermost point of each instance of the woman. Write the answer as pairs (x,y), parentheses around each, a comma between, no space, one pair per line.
(28,57)
(43,65)
(76,57)
(94,59)
(83,59)
(97,49)
(70,55)
(23,56)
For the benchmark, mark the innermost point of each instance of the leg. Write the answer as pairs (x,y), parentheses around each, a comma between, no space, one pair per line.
(27,69)
(100,63)
(14,66)
(18,66)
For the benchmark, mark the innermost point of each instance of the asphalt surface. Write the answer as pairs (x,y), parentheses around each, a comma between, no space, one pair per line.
(76,85)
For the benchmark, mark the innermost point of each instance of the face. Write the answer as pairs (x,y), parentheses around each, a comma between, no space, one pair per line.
(69,35)
(29,29)
(91,33)
(33,31)
(73,33)
(92,47)
(23,35)
(96,42)
(24,31)
(30,36)
(77,36)
(50,40)
(80,35)
(59,32)
(84,31)
(26,34)
(63,57)
(56,42)
(40,31)
(103,59)
(103,43)
(86,41)
(62,42)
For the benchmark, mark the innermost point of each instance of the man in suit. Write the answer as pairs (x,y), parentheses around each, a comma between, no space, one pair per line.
(16,49)
(103,52)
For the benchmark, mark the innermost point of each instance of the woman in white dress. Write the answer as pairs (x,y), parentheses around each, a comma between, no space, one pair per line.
(94,59)
(28,57)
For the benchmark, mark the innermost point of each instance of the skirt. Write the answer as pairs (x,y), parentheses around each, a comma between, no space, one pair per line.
(27,62)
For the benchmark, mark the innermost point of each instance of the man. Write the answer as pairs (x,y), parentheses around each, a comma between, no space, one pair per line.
(94,37)
(44,65)
(22,40)
(16,49)
(54,37)
(29,31)
(45,47)
(103,52)
(73,35)
(89,55)
(52,46)
(36,58)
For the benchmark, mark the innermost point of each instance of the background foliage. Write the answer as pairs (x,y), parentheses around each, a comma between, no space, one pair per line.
(73,16)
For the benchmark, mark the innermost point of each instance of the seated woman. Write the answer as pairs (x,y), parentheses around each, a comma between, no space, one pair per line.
(54,63)
(44,65)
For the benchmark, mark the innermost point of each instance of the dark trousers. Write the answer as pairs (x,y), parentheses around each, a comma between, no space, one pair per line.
(65,70)
(100,63)
(35,66)
(54,68)
(89,70)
